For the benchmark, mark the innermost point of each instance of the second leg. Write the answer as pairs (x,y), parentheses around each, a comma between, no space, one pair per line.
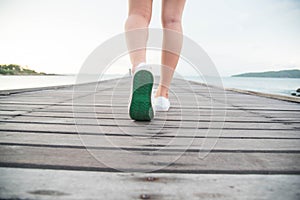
(172,42)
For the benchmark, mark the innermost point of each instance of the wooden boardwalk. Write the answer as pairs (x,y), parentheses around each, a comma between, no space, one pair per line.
(57,144)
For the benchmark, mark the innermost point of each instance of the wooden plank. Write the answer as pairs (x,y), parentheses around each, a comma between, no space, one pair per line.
(173,111)
(141,131)
(158,116)
(124,110)
(156,123)
(141,160)
(83,112)
(10,102)
(205,105)
(60,184)
(146,142)
(12,113)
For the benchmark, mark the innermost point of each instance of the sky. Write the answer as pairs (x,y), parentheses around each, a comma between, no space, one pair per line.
(56,36)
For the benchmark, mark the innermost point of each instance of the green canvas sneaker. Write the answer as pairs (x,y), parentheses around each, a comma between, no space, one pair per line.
(141,99)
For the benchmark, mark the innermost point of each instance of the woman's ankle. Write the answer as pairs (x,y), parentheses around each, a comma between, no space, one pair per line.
(162,92)
(135,66)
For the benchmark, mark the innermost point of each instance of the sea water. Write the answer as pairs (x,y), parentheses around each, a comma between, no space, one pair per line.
(282,86)
(29,81)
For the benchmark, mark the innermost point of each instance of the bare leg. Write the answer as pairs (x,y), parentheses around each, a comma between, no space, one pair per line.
(139,17)
(172,42)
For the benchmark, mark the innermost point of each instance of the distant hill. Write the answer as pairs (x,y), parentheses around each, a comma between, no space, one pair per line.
(13,69)
(294,73)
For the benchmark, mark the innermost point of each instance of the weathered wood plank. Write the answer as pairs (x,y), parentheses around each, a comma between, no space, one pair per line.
(156,123)
(60,184)
(158,116)
(165,116)
(55,157)
(142,132)
(26,103)
(126,141)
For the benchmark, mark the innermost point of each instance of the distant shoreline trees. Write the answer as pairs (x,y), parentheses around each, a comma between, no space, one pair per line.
(13,69)
(293,73)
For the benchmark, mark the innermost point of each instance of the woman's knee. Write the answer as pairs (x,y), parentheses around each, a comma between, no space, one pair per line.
(145,17)
(142,13)
(171,21)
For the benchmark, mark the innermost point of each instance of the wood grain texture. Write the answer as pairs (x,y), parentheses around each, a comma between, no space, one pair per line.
(58,184)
